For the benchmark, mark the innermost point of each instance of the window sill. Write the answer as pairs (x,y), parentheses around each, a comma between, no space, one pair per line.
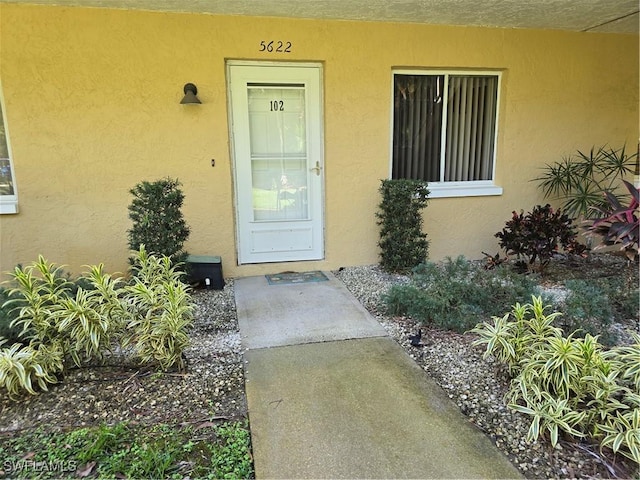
(8,207)
(463,189)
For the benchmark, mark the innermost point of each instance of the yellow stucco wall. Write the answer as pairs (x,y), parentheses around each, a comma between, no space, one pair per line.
(92,104)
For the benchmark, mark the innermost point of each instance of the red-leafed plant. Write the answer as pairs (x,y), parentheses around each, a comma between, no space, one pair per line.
(620,224)
(538,236)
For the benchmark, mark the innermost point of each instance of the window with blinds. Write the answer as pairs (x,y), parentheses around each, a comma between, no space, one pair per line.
(444,126)
(8,196)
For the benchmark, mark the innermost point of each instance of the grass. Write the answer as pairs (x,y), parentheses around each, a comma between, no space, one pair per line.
(130,451)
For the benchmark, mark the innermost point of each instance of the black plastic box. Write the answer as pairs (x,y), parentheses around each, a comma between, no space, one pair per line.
(205,271)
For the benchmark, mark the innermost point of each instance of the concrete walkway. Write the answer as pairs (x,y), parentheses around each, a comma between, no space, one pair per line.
(330,395)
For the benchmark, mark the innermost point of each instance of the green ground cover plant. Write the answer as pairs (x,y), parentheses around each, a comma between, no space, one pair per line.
(456,294)
(593,305)
(209,450)
(568,386)
(588,310)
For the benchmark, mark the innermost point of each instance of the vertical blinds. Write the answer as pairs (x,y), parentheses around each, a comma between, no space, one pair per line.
(468,124)
(417,126)
(471,116)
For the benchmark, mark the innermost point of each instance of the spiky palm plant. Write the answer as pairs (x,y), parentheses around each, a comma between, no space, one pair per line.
(579,181)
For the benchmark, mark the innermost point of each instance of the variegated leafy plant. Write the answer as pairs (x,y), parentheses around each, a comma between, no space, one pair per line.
(567,384)
(63,322)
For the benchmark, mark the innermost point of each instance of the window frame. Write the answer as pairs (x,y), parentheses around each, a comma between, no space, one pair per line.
(443,189)
(8,203)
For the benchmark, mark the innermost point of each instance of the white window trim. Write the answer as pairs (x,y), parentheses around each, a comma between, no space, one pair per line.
(8,203)
(454,189)
(463,189)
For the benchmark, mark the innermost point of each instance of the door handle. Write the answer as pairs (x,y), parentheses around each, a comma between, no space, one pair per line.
(317,168)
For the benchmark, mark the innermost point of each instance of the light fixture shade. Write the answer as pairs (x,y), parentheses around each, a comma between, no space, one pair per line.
(190,92)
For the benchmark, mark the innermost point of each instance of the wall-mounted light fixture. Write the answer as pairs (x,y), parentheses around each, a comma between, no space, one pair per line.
(190,92)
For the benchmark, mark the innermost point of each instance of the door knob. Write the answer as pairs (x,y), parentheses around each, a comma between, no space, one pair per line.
(317,168)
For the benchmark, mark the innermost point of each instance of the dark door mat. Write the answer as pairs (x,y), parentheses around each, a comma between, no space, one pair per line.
(296,277)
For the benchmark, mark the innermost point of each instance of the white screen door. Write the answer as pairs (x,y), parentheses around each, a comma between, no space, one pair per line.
(276,120)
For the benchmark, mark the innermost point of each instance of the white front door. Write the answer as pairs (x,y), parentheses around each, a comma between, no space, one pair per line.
(276,120)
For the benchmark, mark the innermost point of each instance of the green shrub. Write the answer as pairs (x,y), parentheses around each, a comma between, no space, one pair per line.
(567,384)
(587,309)
(92,318)
(403,244)
(538,235)
(624,294)
(157,219)
(456,294)
(11,300)
(53,325)
(592,305)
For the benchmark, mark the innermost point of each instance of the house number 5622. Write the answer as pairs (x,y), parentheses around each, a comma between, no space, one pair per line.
(275,46)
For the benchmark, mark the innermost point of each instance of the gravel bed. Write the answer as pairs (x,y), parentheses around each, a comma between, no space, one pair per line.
(213,385)
(211,388)
(477,386)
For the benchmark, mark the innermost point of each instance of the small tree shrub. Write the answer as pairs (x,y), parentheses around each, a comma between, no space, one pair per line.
(456,294)
(538,235)
(567,384)
(403,244)
(579,181)
(157,219)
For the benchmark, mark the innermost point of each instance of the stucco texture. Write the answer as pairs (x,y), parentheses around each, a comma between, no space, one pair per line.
(92,105)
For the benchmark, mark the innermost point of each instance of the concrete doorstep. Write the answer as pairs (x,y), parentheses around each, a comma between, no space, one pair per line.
(340,399)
